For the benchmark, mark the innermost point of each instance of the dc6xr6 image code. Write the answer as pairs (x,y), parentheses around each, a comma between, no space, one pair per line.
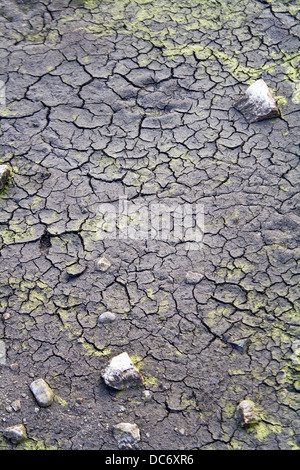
(169,459)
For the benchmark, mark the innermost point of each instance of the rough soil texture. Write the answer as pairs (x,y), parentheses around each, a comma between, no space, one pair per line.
(134,98)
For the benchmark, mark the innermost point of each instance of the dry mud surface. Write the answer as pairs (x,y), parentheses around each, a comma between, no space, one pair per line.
(133,99)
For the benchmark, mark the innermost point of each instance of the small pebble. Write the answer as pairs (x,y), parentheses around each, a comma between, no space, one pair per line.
(147,395)
(42,392)
(106,317)
(247,412)
(180,431)
(126,433)
(4,175)
(241,345)
(193,277)
(103,264)
(120,373)
(16,405)
(2,353)
(16,433)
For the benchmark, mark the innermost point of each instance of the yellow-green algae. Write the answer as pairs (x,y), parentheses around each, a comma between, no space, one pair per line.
(262,429)
(177,20)
(180,19)
(137,361)
(150,381)
(31,443)
(90,350)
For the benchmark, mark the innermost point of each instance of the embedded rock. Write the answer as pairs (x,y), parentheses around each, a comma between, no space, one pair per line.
(16,405)
(4,175)
(16,433)
(257,103)
(42,392)
(121,373)
(247,412)
(103,264)
(147,395)
(241,345)
(106,317)
(2,353)
(193,277)
(126,433)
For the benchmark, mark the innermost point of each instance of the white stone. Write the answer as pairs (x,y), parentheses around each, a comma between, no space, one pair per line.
(147,395)
(121,373)
(106,317)
(42,392)
(2,353)
(247,412)
(4,175)
(126,433)
(103,264)
(257,103)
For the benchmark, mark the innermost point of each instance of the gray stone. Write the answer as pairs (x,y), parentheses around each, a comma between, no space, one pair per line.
(16,405)
(103,264)
(106,317)
(2,353)
(180,431)
(4,175)
(16,433)
(126,433)
(120,373)
(257,103)
(247,412)
(240,345)
(193,277)
(42,392)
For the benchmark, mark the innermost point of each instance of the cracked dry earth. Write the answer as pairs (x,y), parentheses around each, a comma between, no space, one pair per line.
(135,98)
